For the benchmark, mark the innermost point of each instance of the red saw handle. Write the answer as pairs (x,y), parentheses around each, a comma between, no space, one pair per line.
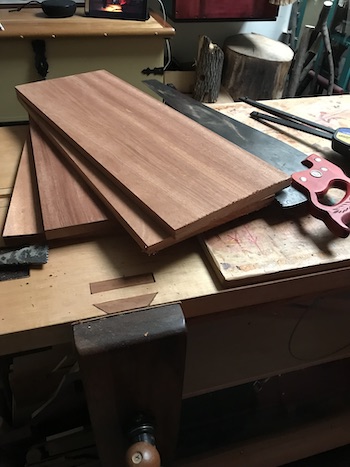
(315,182)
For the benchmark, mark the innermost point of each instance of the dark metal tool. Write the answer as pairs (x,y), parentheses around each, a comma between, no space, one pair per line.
(271,150)
(340,137)
(31,254)
(15,263)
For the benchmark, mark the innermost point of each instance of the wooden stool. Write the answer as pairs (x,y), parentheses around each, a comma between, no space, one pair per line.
(255,66)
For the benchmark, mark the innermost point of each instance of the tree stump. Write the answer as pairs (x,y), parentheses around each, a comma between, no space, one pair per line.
(208,71)
(255,66)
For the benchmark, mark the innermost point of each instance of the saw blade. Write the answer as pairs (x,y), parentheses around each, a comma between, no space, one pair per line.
(281,155)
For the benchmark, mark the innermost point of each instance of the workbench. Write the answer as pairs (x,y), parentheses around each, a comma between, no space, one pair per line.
(236,334)
(75,45)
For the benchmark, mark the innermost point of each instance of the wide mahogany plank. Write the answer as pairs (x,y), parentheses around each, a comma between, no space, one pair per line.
(67,204)
(148,234)
(186,176)
(23,221)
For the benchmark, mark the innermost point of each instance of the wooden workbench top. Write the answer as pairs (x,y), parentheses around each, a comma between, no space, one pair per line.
(33,23)
(59,292)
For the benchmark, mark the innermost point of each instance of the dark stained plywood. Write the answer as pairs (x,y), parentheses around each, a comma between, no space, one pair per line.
(186,177)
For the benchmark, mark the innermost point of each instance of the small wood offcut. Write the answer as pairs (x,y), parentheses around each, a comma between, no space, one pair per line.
(102,150)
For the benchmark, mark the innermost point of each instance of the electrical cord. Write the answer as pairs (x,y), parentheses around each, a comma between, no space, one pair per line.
(167,42)
(24,5)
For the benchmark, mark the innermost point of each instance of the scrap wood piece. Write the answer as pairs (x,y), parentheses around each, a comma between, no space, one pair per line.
(23,221)
(268,246)
(67,205)
(208,71)
(185,182)
(125,304)
(121,282)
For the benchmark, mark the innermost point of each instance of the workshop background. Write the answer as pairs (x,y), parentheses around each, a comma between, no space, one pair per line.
(41,393)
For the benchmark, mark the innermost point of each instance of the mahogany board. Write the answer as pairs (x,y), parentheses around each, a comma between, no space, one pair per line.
(23,220)
(147,233)
(66,202)
(186,176)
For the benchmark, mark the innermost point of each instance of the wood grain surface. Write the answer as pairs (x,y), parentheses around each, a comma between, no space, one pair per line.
(147,233)
(12,139)
(275,242)
(67,204)
(32,23)
(187,177)
(181,273)
(124,304)
(23,220)
(120,282)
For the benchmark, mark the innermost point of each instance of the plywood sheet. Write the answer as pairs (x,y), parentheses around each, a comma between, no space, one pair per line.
(187,177)
(273,244)
(68,206)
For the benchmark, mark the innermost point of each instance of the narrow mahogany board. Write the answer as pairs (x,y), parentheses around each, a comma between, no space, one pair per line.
(186,176)
(68,206)
(145,230)
(147,233)
(23,220)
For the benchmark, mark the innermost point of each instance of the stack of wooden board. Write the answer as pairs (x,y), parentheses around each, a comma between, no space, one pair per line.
(161,175)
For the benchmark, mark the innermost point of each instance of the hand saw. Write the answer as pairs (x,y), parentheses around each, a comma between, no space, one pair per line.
(275,152)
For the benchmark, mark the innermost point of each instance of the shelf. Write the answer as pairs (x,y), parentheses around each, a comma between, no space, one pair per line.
(32,23)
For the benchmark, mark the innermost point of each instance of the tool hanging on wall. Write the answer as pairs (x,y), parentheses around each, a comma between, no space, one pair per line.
(282,2)
(40,61)
(340,137)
